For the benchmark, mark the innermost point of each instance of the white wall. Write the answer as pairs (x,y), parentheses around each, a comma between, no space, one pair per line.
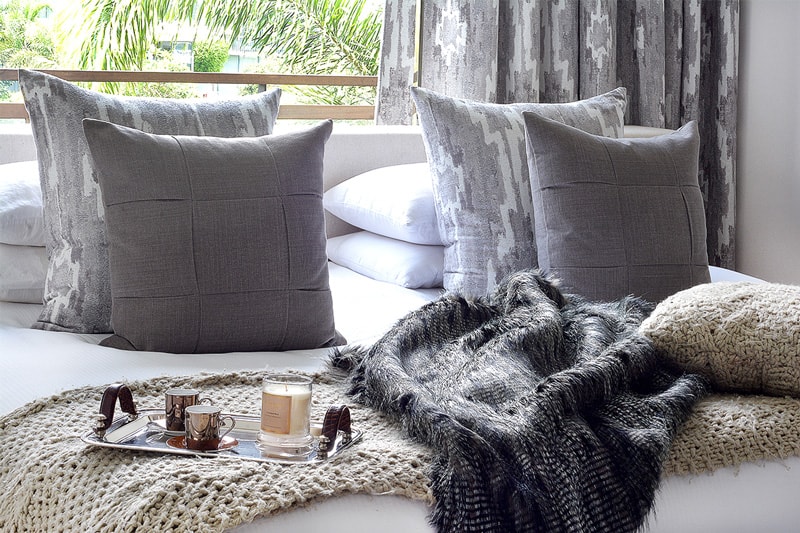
(768,192)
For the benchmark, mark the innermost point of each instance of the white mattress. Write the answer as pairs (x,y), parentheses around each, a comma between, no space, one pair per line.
(42,363)
(755,497)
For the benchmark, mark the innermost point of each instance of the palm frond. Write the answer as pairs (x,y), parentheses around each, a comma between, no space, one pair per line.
(320,36)
(120,33)
(310,36)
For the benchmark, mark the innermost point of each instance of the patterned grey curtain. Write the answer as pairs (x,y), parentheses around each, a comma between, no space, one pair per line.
(677,59)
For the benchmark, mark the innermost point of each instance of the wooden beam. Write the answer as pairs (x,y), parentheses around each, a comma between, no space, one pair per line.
(295,112)
(13,110)
(321,112)
(242,78)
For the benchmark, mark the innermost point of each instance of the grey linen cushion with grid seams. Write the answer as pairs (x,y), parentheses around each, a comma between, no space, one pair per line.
(477,158)
(617,217)
(77,294)
(216,244)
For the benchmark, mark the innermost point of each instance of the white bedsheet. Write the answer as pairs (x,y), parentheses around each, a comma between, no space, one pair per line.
(38,363)
(33,364)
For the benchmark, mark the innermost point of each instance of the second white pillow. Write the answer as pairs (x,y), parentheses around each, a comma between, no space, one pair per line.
(414,266)
(22,273)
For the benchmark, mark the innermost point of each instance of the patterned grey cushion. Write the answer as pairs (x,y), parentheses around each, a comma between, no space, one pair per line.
(77,292)
(215,244)
(617,217)
(480,179)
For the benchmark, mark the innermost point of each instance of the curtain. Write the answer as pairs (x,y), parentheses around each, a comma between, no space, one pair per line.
(677,59)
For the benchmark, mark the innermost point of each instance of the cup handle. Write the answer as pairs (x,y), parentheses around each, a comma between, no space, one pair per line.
(228,430)
(204,400)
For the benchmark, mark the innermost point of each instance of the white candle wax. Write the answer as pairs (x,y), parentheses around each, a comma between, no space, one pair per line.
(285,409)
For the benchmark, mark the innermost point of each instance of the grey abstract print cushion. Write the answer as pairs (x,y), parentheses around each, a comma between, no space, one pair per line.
(479,169)
(77,294)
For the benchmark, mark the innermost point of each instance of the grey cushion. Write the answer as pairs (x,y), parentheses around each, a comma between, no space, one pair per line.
(617,216)
(481,188)
(215,244)
(77,293)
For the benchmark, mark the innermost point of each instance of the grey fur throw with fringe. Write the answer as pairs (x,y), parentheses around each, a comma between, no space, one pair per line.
(544,412)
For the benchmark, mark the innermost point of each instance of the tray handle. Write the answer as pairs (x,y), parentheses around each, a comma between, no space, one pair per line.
(337,418)
(108,403)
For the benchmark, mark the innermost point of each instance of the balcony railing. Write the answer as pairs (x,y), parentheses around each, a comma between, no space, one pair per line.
(302,112)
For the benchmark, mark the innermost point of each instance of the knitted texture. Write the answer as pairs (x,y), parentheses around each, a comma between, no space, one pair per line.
(56,482)
(744,337)
(727,430)
(546,412)
(52,481)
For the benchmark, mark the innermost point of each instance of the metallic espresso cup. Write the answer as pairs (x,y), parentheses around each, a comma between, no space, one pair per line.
(203,425)
(177,400)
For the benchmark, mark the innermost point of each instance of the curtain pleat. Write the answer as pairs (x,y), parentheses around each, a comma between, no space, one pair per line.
(449,29)
(398,63)
(676,58)
(598,47)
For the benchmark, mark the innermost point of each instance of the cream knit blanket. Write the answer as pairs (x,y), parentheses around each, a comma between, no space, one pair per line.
(52,481)
(744,338)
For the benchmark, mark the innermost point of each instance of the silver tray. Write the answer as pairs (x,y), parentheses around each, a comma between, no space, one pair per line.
(146,432)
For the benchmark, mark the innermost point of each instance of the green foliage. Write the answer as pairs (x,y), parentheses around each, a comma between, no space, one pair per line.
(321,37)
(318,36)
(24,40)
(270,65)
(303,36)
(295,36)
(118,35)
(304,94)
(210,56)
(161,60)
(335,95)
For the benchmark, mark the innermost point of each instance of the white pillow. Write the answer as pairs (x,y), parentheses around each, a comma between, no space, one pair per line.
(395,201)
(22,273)
(415,266)
(21,219)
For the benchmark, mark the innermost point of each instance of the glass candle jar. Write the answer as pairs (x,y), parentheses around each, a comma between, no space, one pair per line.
(285,416)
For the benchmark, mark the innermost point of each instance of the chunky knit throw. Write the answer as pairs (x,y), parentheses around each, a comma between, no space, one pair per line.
(51,481)
(545,412)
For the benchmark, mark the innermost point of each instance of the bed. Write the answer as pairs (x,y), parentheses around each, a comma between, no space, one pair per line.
(753,496)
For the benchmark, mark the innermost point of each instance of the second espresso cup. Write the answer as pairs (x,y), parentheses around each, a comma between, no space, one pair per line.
(203,427)
(177,400)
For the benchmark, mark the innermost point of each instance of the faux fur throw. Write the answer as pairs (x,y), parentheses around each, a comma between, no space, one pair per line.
(544,412)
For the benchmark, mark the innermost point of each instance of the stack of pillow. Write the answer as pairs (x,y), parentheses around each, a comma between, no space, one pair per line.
(23,258)
(520,186)
(398,241)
